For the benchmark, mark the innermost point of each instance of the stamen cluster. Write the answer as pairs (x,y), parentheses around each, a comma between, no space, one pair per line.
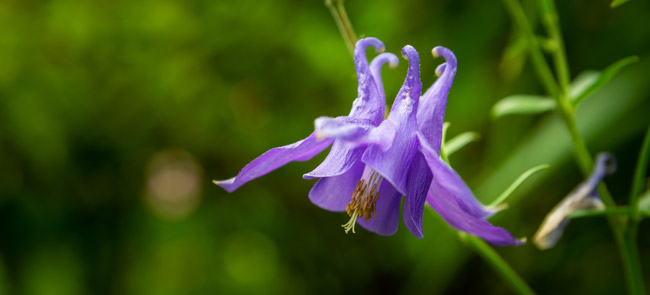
(364,199)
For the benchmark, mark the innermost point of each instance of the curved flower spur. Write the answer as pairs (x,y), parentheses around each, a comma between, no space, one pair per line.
(345,182)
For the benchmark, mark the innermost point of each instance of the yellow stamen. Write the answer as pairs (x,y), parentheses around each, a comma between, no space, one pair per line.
(350,225)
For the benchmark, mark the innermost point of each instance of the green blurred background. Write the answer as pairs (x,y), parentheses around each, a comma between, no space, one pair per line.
(116,115)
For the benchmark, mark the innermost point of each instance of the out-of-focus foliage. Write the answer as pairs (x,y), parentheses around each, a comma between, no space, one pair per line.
(115,116)
(584,85)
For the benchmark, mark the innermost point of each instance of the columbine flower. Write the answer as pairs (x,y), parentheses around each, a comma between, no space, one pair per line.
(584,196)
(346,182)
(433,181)
(373,163)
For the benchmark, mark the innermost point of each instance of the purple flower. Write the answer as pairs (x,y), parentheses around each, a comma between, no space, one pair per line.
(366,150)
(374,162)
(433,181)
(583,197)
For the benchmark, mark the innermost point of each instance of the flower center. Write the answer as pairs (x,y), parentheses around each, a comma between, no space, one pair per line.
(364,198)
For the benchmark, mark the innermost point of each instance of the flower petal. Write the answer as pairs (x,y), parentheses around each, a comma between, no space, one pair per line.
(369,104)
(345,128)
(274,158)
(452,199)
(431,111)
(333,193)
(393,163)
(452,182)
(386,219)
(418,185)
(340,159)
(585,196)
(456,214)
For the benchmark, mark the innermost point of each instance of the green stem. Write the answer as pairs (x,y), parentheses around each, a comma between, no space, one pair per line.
(494,259)
(552,25)
(541,68)
(342,22)
(497,262)
(639,177)
(482,248)
(585,160)
(443,151)
(629,240)
(624,239)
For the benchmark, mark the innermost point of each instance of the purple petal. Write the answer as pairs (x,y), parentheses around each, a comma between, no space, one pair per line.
(375,69)
(456,215)
(345,128)
(340,159)
(418,185)
(274,158)
(333,193)
(370,104)
(386,220)
(380,137)
(452,182)
(393,163)
(431,112)
(369,107)
(605,164)
(453,200)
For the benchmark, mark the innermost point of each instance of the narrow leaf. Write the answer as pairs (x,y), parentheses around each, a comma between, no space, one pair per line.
(581,83)
(515,185)
(522,104)
(603,78)
(461,140)
(617,3)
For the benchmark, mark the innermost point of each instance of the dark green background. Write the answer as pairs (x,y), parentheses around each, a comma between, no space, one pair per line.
(96,97)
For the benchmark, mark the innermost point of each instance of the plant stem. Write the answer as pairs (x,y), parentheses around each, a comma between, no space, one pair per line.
(551,23)
(497,262)
(443,150)
(639,176)
(494,259)
(342,22)
(481,247)
(629,239)
(625,240)
(542,69)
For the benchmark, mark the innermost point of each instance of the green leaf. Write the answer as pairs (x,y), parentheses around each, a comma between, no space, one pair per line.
(584,89)
(511,189)
(581,83)
(461,140)
(522,104)
(617,3)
